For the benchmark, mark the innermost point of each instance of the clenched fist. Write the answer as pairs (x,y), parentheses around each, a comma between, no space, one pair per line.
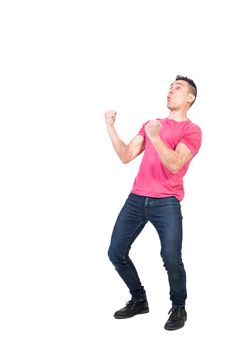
(152,128)
(110,117)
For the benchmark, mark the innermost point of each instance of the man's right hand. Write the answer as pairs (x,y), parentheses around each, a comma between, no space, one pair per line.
(110,117)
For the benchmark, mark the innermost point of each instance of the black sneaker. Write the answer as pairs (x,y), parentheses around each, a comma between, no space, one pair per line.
(177,319)
(132,308)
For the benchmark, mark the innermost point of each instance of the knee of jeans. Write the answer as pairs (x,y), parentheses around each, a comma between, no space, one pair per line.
(173,264)
(115,256)
(112,255)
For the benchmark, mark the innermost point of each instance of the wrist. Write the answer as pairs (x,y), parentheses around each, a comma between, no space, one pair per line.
(155,138)
(110,126)
(111,130)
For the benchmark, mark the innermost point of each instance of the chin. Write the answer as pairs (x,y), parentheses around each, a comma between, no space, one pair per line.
(169,106)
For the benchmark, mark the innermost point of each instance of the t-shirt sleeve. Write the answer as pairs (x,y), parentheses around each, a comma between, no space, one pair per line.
(192,139)
(142,130)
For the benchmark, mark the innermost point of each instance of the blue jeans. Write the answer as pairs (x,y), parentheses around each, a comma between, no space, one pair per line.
(165,215)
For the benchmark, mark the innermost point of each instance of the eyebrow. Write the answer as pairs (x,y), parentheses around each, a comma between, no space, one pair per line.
(175,82)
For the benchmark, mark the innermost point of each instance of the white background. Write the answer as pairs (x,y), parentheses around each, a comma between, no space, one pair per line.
(63,63)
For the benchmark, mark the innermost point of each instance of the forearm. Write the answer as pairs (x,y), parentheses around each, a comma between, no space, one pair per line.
(119,146)
(169,158)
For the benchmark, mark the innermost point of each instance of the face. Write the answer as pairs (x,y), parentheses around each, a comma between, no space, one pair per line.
(179,96)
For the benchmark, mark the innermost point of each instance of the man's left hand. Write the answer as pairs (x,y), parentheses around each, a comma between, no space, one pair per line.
(153,128)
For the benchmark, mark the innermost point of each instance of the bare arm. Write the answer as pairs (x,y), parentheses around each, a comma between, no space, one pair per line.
(126,152)
(173,160)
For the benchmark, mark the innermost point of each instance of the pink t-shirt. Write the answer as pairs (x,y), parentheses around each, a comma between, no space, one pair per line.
(154,179)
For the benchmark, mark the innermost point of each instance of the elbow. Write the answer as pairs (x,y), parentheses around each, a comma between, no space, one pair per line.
(125,160)
(174,168)
(174,171)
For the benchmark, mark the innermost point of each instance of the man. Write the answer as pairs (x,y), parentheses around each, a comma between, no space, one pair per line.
(169,145)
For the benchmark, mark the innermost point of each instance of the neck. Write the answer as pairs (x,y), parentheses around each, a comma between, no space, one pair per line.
(179,116)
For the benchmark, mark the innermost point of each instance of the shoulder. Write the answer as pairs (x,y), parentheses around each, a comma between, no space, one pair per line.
(192,137)
(192,127)
(192,130)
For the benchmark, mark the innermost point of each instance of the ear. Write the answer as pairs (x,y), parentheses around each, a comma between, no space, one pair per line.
(191,98)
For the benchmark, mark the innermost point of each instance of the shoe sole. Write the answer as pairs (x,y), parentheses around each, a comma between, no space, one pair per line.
(139,313)
(174,328)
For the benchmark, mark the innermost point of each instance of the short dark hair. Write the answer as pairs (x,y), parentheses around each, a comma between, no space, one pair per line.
(192,85)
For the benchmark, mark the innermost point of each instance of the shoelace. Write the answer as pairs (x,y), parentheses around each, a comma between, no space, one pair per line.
(131,304)
(175,313)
